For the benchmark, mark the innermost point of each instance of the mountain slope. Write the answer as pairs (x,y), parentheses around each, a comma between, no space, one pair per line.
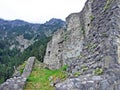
(20,34)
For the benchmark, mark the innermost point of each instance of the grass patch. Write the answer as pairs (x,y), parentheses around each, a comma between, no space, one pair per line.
(21,67)
(64,68)
(39,78)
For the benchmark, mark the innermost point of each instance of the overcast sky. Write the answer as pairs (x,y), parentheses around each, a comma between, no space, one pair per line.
(38,11)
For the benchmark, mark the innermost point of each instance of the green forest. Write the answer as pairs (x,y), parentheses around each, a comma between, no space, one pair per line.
(11,58)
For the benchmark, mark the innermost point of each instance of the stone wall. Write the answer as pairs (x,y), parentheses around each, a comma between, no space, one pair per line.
(92,37)
(66,44)
(53,51)
(18,82)
(88,82)
(91,43)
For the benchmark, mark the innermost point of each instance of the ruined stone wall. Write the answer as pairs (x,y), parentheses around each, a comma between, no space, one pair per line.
(92,45)
(18,82)
(101,49)
(91,35)
(53,51)
(69,43)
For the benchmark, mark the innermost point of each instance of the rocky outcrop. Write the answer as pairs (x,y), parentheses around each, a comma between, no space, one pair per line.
(18,82)
(89,46)
(23,43)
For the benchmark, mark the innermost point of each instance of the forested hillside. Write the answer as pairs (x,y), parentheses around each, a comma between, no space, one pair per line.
(20,40)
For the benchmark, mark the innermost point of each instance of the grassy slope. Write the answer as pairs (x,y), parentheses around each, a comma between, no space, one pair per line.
(39,78)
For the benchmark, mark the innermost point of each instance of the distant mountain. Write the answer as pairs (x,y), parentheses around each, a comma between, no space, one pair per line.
(55,21)
(21,34)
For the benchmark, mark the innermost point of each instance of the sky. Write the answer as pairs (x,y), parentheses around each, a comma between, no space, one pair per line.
(39,11)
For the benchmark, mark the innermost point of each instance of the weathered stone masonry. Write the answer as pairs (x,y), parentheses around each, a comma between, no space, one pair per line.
(18,83)
(91,41)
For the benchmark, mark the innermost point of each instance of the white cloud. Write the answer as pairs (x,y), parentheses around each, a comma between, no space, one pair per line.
(39,10)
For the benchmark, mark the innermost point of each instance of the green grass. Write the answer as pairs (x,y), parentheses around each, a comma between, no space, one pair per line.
(21,67)
(39,78)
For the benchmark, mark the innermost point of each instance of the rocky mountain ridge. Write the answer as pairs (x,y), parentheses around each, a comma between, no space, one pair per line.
(21,34)
(89,47)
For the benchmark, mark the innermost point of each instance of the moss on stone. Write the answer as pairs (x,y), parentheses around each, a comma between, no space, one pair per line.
(77,74)
(84,68)
(83,30)
(65,36)
(92,17)
(98,71)
(107,5)
(21,67)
